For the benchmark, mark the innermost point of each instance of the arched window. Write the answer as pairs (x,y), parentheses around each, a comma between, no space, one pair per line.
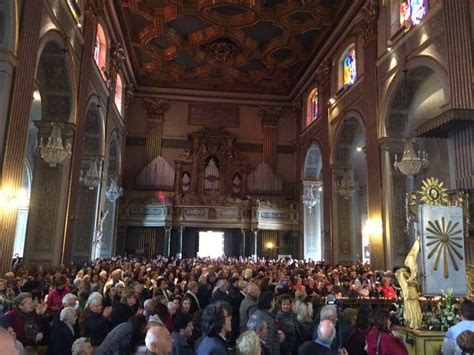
(118,93)
(100,50)
(411,12)
(312,106)
(348,67)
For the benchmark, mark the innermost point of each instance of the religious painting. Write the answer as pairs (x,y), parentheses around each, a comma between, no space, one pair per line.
(411,12)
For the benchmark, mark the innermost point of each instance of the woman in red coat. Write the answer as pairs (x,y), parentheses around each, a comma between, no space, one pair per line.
(380,340)
(57,294)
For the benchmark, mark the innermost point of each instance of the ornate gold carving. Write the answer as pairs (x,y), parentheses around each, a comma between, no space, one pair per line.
(129,94)
(470,281)
(94,8)
(444,241)
(434,193)
(368,25)
(323,73)
(156,108)
(117,56)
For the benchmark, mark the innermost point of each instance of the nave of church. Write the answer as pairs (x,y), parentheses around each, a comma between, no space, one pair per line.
(261,132)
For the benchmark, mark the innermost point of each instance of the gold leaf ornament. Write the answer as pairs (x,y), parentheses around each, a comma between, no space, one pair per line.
(434,193)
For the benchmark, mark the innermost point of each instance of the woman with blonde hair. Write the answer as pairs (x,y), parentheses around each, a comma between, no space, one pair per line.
(304,319)
(248,343)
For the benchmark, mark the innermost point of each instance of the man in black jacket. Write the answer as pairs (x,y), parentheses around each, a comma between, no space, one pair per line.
(322,344)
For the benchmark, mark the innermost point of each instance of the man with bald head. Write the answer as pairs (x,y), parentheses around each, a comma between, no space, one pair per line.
(158,340)
(322,344)
(7,344)
(251,297)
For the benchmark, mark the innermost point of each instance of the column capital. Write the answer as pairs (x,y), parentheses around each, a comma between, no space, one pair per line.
(156,108)
(129,94)
(270,115)
(368,24)
(94,8)
(117,56)
(323,73)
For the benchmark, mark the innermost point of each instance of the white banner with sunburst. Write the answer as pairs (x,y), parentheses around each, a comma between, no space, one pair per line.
(442,249)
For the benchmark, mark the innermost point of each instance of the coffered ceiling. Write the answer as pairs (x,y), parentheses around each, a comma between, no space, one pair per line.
(247,46)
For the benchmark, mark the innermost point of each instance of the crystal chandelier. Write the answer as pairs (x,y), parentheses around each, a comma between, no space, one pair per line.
(113,192)
(54,152)
(346,186)
(411,162)
(92,177)
(310,198)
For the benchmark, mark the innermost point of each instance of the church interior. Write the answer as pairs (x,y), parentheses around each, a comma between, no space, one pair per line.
(324,130)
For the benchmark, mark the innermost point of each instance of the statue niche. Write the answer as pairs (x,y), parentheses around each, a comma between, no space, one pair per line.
(211,166)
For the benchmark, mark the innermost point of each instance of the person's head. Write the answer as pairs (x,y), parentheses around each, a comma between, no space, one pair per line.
(253,290)
(172,308)
(116,275)
(128,296)
(183,324)
(349,316)
(326,331)
(381,319)
(465,341)
(265,301)
(467,310)
(163,284)
(158,340)
(186,305)
(216,319)
(82,346)
(222,285)
(362,319)
(304,312)
(257,325)
(139,324)
(7,342)
(60,282)
(69,300)
(149,306)
(193,286)
(68,315)
(95,305)
(329,312)
(285,303)
(3,284)
(248,343)
(24,302)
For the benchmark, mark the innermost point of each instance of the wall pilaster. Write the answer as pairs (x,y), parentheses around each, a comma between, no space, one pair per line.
(270,116)
(155,109)
(17,130)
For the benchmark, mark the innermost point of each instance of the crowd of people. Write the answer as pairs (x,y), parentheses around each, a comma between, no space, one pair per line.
(203,306)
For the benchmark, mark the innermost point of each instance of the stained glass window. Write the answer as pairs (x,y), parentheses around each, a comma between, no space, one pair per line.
(312,106)
(118,93)
(75,9)
(349,68)
(411,12)
(100,50)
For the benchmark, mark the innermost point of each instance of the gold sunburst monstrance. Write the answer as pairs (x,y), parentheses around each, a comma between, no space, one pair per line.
(446,242)
(434,193)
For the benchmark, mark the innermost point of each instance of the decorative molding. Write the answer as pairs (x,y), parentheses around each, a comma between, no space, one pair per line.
(270,115)
(156,108)
(130,90)
(368,25)
(94,8)
(117,56)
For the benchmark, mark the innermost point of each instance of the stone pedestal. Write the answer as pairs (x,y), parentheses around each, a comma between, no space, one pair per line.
(422,341)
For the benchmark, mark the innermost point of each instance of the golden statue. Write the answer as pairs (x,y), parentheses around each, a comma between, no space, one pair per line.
(409,286)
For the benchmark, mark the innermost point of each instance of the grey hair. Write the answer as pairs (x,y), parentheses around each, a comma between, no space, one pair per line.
(78,346)
(22,296)
(68,297)
(66,312)
(255,323)
(93,296)
(304,312)
(328,312)
(248,343)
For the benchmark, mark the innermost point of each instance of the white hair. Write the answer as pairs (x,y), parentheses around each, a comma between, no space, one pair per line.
(248,343)
(304,312)
(78,346)
(328,312)
(94,296)
(171,306)
(67,312)
(68,297)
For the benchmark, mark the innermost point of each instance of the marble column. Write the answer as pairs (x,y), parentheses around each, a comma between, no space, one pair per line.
(242,230)
(458,41)
(92,11)
(255,245)
(167,244)
(374,178)
(16,135)
(155,109)
(179,255)
(270,116)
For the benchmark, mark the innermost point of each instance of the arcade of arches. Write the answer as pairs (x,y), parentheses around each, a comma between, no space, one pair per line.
(132,127)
